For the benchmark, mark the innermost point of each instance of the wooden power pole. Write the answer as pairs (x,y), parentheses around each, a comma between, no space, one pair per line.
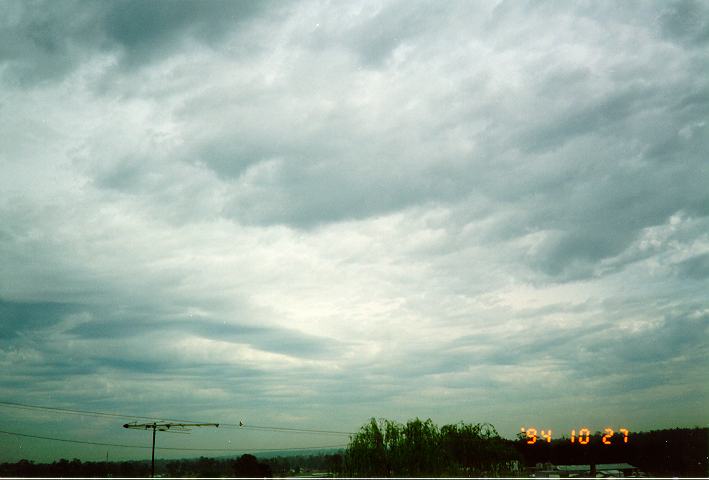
(165,427)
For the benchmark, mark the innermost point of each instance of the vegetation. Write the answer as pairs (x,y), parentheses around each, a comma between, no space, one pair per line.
(244,466)
(419,448)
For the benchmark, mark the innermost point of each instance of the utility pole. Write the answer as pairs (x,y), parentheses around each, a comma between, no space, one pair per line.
(165,427)
(152,458)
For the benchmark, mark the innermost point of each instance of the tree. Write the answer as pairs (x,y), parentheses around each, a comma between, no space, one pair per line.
(248,466)
(418,448)
(366,454)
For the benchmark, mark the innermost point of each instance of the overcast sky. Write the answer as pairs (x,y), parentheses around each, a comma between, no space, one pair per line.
(309,214)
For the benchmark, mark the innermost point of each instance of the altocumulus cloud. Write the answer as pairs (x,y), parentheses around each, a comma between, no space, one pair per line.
(321,213)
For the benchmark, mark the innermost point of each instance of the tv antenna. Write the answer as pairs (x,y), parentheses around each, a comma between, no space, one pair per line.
(165,427)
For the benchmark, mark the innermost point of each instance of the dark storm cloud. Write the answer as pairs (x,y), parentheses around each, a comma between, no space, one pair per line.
(269,339)
(149,31)
(686,20)
(21,317)
(45,40)
(62,346)
(36,320)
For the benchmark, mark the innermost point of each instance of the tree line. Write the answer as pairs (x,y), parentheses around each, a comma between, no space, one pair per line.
(384,448)
(244,466)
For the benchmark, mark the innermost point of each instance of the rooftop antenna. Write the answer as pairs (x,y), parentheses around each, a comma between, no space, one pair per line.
(165,427)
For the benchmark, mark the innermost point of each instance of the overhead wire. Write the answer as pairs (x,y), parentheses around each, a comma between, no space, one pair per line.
(294,430)
(157,447)
(86,412)
(241,425)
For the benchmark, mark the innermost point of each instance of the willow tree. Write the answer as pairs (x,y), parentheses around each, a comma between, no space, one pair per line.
(419,448)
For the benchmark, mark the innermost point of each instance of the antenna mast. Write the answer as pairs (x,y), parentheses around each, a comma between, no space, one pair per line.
(165,427)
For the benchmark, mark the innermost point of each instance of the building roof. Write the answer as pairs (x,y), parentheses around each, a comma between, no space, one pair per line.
(599,467)
(614,466)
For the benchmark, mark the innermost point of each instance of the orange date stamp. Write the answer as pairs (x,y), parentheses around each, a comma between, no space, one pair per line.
(583,437)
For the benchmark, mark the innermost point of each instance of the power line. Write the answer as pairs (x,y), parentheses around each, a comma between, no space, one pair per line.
(165,427)
(73,441)
(286,429)
(88,413)
(241,425)
(122,445)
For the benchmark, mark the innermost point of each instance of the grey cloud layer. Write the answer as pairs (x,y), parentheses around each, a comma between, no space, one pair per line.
(46,40)
(590,142)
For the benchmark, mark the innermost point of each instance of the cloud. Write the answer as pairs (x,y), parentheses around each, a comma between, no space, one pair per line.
(20,316)
(145,31)
(686,21)
(322,213)
(696,267)
(45,41)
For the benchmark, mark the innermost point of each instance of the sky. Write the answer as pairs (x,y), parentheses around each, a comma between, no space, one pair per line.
(307,214)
